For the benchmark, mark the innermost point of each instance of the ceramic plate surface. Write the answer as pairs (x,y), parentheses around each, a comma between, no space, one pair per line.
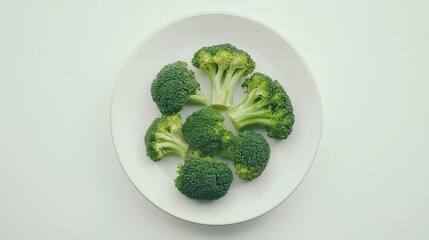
(133,110)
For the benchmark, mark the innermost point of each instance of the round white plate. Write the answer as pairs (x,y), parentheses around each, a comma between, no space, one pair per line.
(132,111)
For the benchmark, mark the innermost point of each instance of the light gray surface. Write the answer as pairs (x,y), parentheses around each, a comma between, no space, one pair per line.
(60,177)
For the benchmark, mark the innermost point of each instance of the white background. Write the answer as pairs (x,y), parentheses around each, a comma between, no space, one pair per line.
(60,177)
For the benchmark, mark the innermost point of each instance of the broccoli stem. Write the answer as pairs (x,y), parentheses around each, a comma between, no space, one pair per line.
(250,111)
(223,86)
(259,120)
(216,82)
(198,97)
(227,153)
(172,143)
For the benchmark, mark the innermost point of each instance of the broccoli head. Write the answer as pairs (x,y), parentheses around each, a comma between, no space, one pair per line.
(266,104)
(203,178)
(163,137)
(249,152)
(205,130)
(225,64)
(174,86)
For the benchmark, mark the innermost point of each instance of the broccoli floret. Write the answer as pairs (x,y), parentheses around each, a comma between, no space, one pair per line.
(249,152)
(205,129)
(266,104)
(163,137)
(203,178)
(174,86)
(225,64)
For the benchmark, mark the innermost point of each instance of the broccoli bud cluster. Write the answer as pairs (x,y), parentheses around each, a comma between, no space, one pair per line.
(207,147)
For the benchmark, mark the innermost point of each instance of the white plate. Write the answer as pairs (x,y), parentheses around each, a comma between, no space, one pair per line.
(132,111)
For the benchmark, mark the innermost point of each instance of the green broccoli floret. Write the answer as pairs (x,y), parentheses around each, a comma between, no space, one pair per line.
(174,86)
(249,152)
(203,178)
(205,129)
(163,137)
(266,104)
(225,64)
